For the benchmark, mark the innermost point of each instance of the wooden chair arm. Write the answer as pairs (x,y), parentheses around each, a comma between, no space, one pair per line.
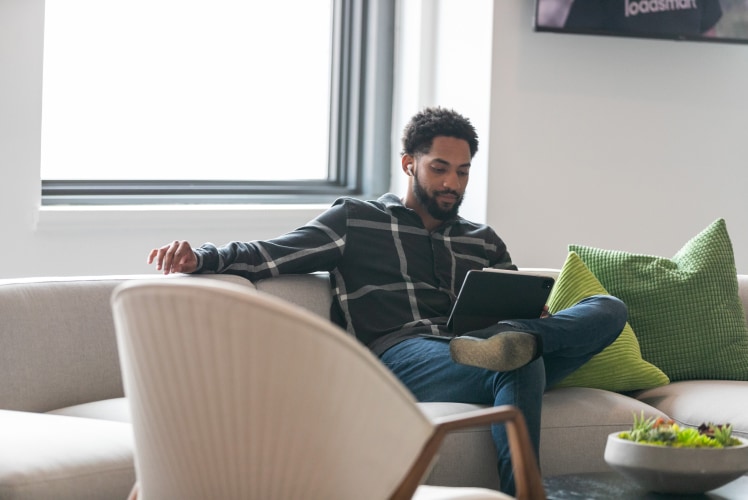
(529,484)
(527,477)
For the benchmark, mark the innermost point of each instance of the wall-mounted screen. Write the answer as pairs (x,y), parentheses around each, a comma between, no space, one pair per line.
(699,20)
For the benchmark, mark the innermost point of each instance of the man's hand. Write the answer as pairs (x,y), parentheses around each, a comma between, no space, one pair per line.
(176,257)
(546,312)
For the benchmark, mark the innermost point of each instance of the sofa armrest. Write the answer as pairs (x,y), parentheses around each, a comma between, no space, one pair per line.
(58,342)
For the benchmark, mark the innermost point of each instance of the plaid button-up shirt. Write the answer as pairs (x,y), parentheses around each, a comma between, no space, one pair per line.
(391,278)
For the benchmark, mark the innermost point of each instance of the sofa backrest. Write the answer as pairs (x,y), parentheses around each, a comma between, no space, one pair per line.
(743,292)
(310,291)
(57,341)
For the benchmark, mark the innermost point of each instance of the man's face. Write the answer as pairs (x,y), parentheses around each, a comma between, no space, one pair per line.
(441,176)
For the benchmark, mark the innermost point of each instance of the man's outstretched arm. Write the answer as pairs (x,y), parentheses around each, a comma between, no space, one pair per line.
(176,257)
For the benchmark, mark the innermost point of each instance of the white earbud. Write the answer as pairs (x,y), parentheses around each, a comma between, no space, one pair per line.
(410,169)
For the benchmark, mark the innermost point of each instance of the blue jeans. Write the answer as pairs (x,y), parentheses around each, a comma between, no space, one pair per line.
(569,339)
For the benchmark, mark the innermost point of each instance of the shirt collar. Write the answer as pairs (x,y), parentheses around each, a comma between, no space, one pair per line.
(391,200)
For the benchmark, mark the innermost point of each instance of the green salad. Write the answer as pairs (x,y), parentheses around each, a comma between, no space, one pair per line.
(663,432)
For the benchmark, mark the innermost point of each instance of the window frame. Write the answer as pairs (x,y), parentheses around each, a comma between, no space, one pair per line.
(360,129)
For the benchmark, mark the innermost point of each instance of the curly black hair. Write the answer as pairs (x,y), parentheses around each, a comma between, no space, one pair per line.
(419,133)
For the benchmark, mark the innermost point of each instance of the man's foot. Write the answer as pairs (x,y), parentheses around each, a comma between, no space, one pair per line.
(502,352)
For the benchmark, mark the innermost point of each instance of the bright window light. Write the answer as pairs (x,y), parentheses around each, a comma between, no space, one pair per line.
(186,89)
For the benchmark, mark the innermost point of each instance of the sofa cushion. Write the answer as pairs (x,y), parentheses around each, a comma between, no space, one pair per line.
(576,422)
(620,366)
(467,457)
(686,311)
(53,456)
(115,409)
(694,402)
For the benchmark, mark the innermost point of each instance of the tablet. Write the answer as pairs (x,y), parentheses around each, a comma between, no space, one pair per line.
(490,296)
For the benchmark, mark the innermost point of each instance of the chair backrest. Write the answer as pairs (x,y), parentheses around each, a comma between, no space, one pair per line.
(237,394)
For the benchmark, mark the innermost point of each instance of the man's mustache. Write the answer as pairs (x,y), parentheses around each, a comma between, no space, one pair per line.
(447,191)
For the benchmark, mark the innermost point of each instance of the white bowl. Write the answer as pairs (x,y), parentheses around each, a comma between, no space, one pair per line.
(664,469)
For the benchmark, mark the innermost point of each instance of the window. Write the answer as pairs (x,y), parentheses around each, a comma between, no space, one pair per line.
(168,101)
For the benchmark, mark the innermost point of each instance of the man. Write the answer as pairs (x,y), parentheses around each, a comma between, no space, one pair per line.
(395,267)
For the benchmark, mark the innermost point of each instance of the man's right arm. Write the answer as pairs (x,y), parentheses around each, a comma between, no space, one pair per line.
(317,246)
(176,257)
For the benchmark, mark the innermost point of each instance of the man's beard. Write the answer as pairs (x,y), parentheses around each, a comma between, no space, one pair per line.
(432,205)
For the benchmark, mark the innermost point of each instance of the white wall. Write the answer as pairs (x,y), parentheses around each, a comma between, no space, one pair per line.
(612,142)
(20,112)
(64,241)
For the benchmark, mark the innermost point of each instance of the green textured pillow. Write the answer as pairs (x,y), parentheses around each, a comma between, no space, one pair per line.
(686,311)
(619,367)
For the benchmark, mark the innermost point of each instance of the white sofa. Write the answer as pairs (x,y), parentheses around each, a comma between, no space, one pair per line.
(64,430)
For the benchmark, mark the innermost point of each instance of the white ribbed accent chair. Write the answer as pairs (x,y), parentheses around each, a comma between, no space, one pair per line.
(236,394)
